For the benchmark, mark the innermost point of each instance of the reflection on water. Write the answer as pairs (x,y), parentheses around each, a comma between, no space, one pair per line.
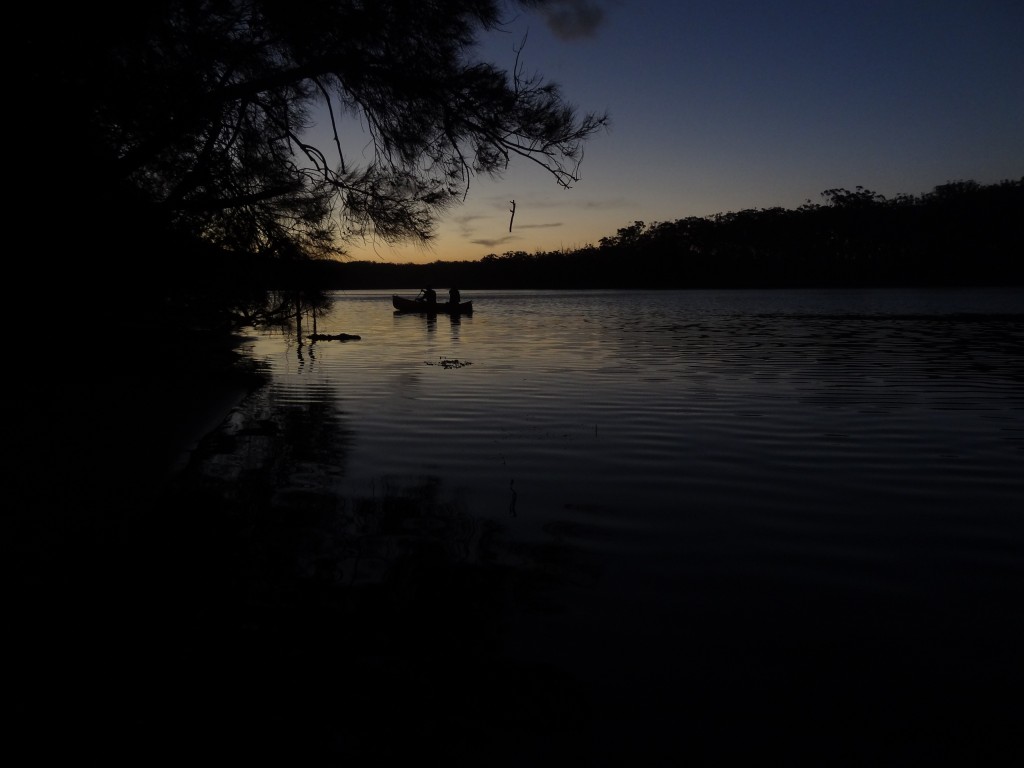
(346,617)
(706,516)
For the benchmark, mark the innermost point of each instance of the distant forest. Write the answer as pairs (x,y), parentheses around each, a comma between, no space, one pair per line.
(961,233)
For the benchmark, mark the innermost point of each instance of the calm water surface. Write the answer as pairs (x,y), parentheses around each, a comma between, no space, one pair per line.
(732,493)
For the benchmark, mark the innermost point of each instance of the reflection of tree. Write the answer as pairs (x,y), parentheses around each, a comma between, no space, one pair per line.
(274,472)
(376,606)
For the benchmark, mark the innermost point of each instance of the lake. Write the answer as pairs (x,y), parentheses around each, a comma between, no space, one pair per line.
(782,526)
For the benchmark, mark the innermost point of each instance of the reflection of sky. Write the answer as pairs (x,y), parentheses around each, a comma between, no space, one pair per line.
(703,395)
(721,107)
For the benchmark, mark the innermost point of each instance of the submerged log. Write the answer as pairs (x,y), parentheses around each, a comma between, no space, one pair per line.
(334,337)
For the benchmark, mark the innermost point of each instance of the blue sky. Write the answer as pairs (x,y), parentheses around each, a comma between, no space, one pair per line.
(722,106)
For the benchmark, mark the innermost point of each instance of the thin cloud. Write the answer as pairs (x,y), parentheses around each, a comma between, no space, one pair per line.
(493,243)
(541,226)
(573,19)
(467,219)
(467,222)
(604,205)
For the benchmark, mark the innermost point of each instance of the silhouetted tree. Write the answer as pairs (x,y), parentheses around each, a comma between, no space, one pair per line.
(962,233)
(184,120)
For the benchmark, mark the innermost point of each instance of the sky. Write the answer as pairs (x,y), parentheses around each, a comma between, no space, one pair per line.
(725,106)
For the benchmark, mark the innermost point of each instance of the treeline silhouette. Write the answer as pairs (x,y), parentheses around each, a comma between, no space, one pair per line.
(961,233)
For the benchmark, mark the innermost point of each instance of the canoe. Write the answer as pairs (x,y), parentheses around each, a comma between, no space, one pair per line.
(435,308)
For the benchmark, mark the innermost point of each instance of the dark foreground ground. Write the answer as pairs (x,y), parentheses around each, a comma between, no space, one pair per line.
(211,614)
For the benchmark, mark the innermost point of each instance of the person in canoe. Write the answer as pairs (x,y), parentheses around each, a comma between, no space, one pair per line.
(453,296)
(428,295)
